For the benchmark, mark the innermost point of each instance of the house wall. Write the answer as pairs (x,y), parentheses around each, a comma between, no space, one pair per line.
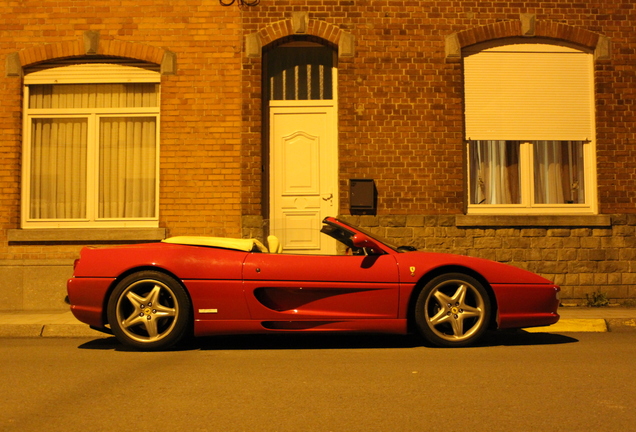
(400,95)
(400,123)
(198,45)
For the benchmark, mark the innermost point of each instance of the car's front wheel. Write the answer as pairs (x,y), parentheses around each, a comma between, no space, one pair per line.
(149,310)
(452,310)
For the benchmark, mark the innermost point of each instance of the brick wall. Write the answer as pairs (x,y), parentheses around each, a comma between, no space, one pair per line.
(200,104)
(400,97)
(400,117)
(200,132)
(401,123)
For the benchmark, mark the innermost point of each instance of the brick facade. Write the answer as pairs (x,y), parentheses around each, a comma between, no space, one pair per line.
(400,122)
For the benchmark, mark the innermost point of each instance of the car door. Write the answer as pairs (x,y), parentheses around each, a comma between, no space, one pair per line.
(311,287)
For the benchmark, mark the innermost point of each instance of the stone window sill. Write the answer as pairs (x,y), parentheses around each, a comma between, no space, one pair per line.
(85,235)
(533,221)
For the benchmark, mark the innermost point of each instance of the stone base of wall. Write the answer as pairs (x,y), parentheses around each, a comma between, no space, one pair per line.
(253,227)
(34,285)
(581,259)
(583,255)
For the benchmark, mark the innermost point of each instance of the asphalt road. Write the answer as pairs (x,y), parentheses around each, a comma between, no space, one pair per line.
(512,382)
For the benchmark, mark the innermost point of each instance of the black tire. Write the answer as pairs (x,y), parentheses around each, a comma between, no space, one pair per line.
(149,310)
(452,310)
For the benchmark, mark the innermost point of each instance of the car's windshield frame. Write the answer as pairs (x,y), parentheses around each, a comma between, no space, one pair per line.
(352,229)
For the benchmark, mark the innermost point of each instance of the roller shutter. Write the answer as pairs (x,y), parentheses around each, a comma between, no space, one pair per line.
(529,92)
(92,73)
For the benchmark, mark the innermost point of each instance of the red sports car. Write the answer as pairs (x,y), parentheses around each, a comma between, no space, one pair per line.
(152,295)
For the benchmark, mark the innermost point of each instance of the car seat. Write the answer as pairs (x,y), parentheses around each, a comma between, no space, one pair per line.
(274,244)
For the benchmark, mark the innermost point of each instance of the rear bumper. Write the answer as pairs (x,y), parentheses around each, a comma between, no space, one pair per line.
(87,297)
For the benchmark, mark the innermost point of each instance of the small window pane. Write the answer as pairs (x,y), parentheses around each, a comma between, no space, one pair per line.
(127,171)
(558,172)
(54,96)
(494,172)
(58,168)
(300,73)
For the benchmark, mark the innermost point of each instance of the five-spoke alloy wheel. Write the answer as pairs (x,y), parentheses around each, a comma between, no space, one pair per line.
(149,310)
(452,310)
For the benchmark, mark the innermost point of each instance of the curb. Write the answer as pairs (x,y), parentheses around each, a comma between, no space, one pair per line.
(616,325)
(594,325)
(49,331)
(620,325)
(573,326)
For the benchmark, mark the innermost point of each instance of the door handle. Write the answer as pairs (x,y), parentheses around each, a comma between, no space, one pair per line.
(327,197)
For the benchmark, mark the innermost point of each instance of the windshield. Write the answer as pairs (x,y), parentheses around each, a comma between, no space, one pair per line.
(346,237)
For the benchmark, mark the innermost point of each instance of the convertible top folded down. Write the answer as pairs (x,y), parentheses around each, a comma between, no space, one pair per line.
(247,245)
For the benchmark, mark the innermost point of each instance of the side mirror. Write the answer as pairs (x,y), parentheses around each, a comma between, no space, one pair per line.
(363,241)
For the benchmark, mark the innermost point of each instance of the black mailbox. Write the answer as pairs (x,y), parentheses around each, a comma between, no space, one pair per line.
(363,196)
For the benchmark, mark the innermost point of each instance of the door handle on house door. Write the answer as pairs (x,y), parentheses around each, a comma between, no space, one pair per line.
(328,197)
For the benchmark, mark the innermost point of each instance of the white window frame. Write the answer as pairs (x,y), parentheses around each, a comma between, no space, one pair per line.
(80,74)
(527,192)
(477,129)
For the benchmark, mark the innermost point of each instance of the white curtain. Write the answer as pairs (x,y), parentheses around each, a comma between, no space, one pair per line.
(127,167)
(58,168)
(126,147)
(558,170)
(494,172)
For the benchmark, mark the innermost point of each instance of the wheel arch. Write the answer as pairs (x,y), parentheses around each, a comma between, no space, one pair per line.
(134,270)
(429,276)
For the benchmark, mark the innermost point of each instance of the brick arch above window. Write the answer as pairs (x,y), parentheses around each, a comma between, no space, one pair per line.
(90,44)
(527,26)
(299,24)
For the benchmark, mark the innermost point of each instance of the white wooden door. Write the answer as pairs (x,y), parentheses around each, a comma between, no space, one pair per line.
(303,175)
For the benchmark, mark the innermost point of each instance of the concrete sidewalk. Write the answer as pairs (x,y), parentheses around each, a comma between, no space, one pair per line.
(585,319)
(44,324)
(64,324)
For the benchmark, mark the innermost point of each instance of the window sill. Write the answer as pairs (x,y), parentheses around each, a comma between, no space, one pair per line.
(533,221)
(85,235)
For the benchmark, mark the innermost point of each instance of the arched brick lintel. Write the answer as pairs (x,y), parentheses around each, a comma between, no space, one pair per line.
(285,28)
(91,44)
(527,27)
(300,25)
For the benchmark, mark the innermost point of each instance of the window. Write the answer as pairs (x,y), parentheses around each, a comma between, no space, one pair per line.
(91,147)
(300,70)
(530,130)
(555,167)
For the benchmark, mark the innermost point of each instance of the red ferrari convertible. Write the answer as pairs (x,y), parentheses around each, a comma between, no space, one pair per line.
(151,295)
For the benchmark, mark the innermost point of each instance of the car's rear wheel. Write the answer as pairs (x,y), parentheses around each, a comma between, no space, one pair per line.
(149,310)
(452,310)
